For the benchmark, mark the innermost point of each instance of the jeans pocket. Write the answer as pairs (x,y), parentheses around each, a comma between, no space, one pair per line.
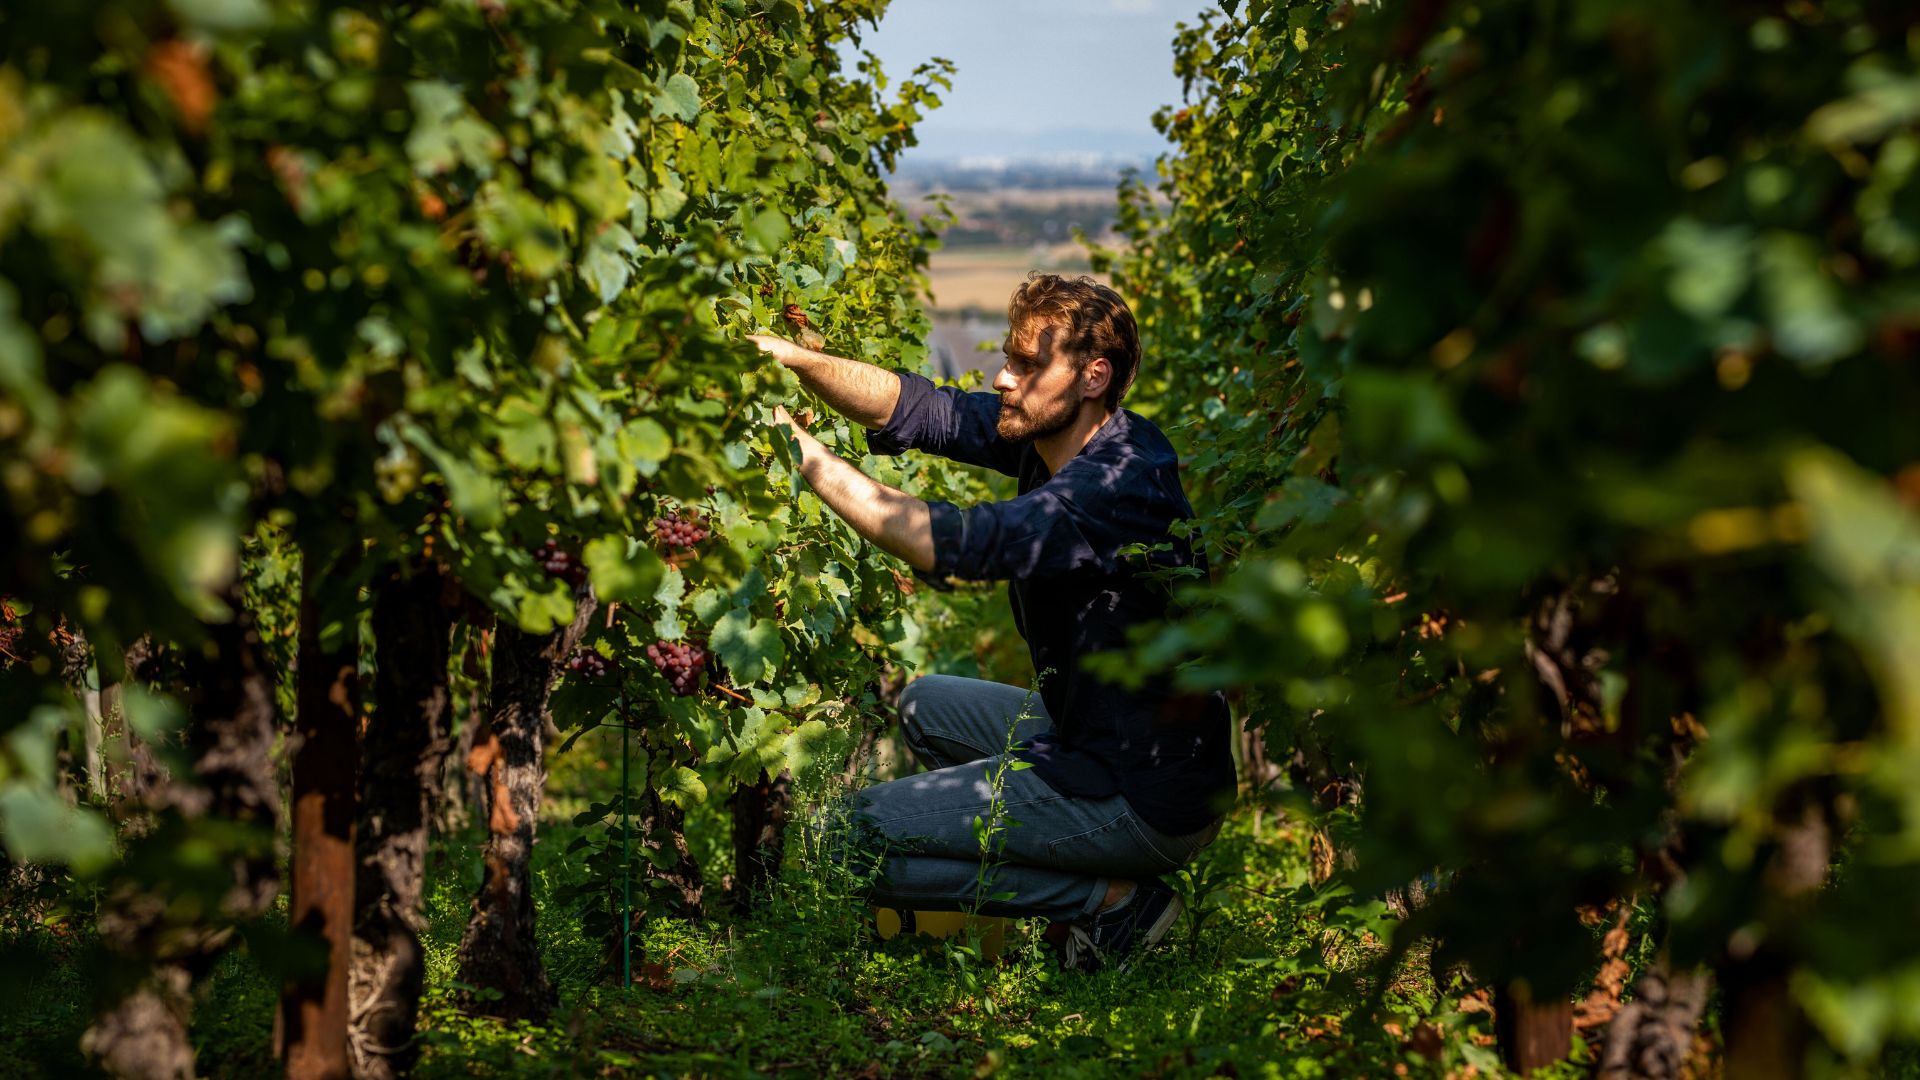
(1172,851)
(1112,848)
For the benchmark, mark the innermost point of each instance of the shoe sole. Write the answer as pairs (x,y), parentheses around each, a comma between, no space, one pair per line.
(1153,933)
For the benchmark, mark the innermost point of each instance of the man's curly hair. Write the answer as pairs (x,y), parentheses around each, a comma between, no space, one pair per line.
(1091,319)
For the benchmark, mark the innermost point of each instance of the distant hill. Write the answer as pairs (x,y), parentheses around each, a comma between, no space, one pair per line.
(994,172)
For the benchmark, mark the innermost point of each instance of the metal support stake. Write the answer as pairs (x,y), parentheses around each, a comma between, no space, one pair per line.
(626,856)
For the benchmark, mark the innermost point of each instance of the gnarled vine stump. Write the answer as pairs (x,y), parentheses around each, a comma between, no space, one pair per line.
(498,951)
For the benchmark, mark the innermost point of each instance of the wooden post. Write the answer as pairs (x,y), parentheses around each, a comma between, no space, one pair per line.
(403,748)
(1532,1034)
(312,1024)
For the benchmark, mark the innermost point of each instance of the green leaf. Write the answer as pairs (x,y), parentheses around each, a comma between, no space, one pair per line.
(473,493)
(223,16)
(672,587)
(1709,266)
(171,461)
(623,569)
(751,648)
(605,267)
(1401,416)
(646,442)
(812,741)
(667,198)
(768,230)
(679,99)
(153,717)
(446,134)
(1868,545)
(541,612)
(39,826)
(1305,499)
(708,604)
(681,786)
(1805,304)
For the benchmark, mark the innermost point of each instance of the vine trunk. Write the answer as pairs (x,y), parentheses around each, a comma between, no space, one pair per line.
(498,952)
(405,743)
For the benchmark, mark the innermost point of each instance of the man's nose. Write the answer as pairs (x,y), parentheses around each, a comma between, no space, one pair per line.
(1004,381)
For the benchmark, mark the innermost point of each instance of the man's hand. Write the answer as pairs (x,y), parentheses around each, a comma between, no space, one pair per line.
(859,391)
(782,416)
(781,349)
(898,522)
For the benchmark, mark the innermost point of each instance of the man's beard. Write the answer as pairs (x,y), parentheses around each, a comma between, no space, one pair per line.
(1019,425)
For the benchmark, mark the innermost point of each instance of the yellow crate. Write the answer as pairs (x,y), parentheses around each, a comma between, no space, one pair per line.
(992,930)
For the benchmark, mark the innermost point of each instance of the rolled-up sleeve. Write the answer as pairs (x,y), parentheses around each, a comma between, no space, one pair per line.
(1039,534)
(946,421)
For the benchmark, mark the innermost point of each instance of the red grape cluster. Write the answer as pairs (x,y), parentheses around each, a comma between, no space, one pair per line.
(681,664)
(589,664)
(560,562)
(680,532)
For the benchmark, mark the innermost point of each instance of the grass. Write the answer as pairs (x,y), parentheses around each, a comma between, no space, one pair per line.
(1274,979)
(803,989)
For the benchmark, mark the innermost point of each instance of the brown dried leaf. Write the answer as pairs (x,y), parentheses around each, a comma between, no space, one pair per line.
(181,70)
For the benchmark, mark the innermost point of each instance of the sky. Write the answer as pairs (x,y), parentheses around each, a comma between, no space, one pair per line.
(1039,77)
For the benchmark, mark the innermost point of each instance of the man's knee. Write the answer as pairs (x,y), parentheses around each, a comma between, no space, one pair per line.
(920,703)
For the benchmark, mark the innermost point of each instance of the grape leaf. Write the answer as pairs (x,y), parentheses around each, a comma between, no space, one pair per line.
(672,586)
(679,99)
(681,786)
(623,568)
(39,826)
(751,648)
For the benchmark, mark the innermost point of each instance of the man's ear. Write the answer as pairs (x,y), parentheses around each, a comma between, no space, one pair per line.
(1096,377)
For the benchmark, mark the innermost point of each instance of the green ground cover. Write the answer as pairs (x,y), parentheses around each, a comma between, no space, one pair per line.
(1265,982)
(1270,975)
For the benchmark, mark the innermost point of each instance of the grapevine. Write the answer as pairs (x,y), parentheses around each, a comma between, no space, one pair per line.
(384,295)
(1419,606)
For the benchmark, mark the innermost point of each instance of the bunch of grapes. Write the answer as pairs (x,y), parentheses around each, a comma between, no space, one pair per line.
(681,664)
(588,664)
(680,532)
(560,562)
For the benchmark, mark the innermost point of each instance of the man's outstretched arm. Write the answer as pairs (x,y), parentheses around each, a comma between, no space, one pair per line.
(861,392)
(899,523)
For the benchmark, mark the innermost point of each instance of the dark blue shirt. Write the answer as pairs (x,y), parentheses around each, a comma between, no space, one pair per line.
(1059,545)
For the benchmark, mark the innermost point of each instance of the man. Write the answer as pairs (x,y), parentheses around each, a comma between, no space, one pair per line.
(1113,786)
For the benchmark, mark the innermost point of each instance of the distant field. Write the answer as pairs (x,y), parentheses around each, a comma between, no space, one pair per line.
(980,278)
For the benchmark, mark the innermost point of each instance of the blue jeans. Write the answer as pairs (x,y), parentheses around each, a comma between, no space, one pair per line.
(1060,852)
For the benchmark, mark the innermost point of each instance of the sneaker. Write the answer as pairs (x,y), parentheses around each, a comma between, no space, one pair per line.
(1091,943)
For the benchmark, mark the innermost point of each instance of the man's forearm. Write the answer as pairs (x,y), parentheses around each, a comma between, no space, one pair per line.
(899,523)
(859,391)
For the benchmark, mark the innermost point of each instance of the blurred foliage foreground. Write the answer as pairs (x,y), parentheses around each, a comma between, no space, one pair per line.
(1550,373)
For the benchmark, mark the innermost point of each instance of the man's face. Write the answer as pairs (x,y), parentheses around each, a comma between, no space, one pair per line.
(1040,389)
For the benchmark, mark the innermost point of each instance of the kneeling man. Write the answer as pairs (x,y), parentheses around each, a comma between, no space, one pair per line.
(1118,785)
